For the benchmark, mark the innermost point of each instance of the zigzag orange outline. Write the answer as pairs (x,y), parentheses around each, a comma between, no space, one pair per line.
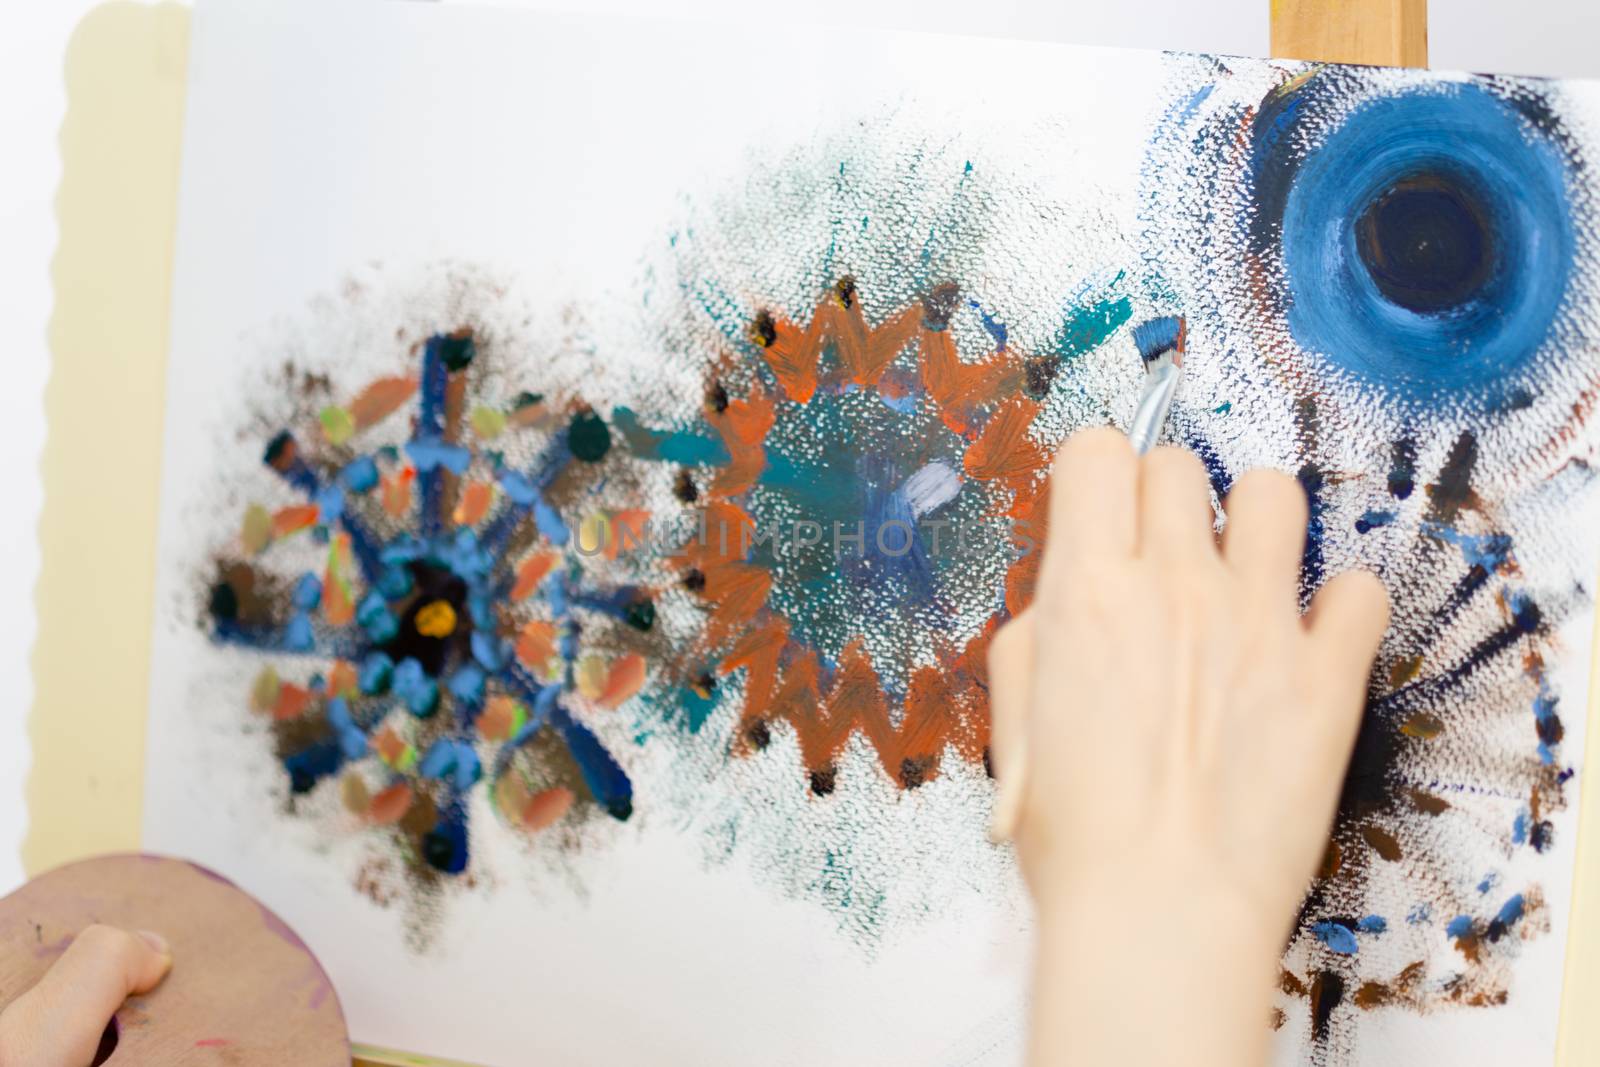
(984,403)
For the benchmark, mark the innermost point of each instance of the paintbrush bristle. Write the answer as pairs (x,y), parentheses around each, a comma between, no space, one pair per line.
(1160,340)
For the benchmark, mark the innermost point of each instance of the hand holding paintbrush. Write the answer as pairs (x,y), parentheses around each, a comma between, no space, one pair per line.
(1160,343)
(1170,735)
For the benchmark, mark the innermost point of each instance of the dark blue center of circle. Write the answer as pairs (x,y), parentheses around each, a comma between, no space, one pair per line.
(1427,243)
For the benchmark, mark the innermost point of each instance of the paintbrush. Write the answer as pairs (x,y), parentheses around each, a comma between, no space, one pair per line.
(1160,345)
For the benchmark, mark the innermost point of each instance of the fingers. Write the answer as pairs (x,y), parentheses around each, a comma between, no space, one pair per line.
(1010,670)
(1266,533)
(60,1020)
(1175,516)
(1093,497)
(1347,620)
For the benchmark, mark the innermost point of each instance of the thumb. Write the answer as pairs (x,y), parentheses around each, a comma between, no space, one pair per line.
(60,1020)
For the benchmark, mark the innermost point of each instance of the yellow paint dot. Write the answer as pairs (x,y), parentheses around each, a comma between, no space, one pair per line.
(353,791)
(338,425)
(256,533)
(487,422)
(590,674)
(264,693)
(437,619)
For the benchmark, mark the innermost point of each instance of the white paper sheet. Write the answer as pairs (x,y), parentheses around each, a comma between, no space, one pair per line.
(358,176)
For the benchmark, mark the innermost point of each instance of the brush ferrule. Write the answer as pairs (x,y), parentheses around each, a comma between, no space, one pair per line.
(1155,402)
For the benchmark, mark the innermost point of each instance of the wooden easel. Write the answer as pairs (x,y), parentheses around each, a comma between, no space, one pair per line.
(1390,33)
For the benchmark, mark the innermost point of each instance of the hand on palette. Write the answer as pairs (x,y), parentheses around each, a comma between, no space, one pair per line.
(59,1022)
(1170,735)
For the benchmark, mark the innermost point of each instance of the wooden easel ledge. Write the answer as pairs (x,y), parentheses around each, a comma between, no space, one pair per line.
(1391,33)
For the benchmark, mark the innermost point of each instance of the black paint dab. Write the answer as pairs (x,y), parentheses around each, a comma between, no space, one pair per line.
(280,450)
(1327,990)
(457,350)
(684,489)
(939,305)
(844,290)
(915,771)
(763,329)
(1453,490)
(224,604)
(759,733)
(641,614)
(1402,468)
(1039,373)
(439,850)
(588,437)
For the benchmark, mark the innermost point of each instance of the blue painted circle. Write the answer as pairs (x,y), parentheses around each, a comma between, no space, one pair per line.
(1427,242)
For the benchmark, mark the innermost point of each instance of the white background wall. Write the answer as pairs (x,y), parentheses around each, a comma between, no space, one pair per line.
(1552,37)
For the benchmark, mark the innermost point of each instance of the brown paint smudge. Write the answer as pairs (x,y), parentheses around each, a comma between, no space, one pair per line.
(1429,804)
(1404,670)
(1291,984)
(1453,492)
(1332,860)
(380,400)
(1382,842)
(1422,725)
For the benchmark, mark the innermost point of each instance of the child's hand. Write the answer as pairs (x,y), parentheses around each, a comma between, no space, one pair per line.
(1169,733)
(58,1023)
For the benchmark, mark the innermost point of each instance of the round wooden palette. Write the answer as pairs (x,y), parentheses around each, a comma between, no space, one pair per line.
(244,990)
